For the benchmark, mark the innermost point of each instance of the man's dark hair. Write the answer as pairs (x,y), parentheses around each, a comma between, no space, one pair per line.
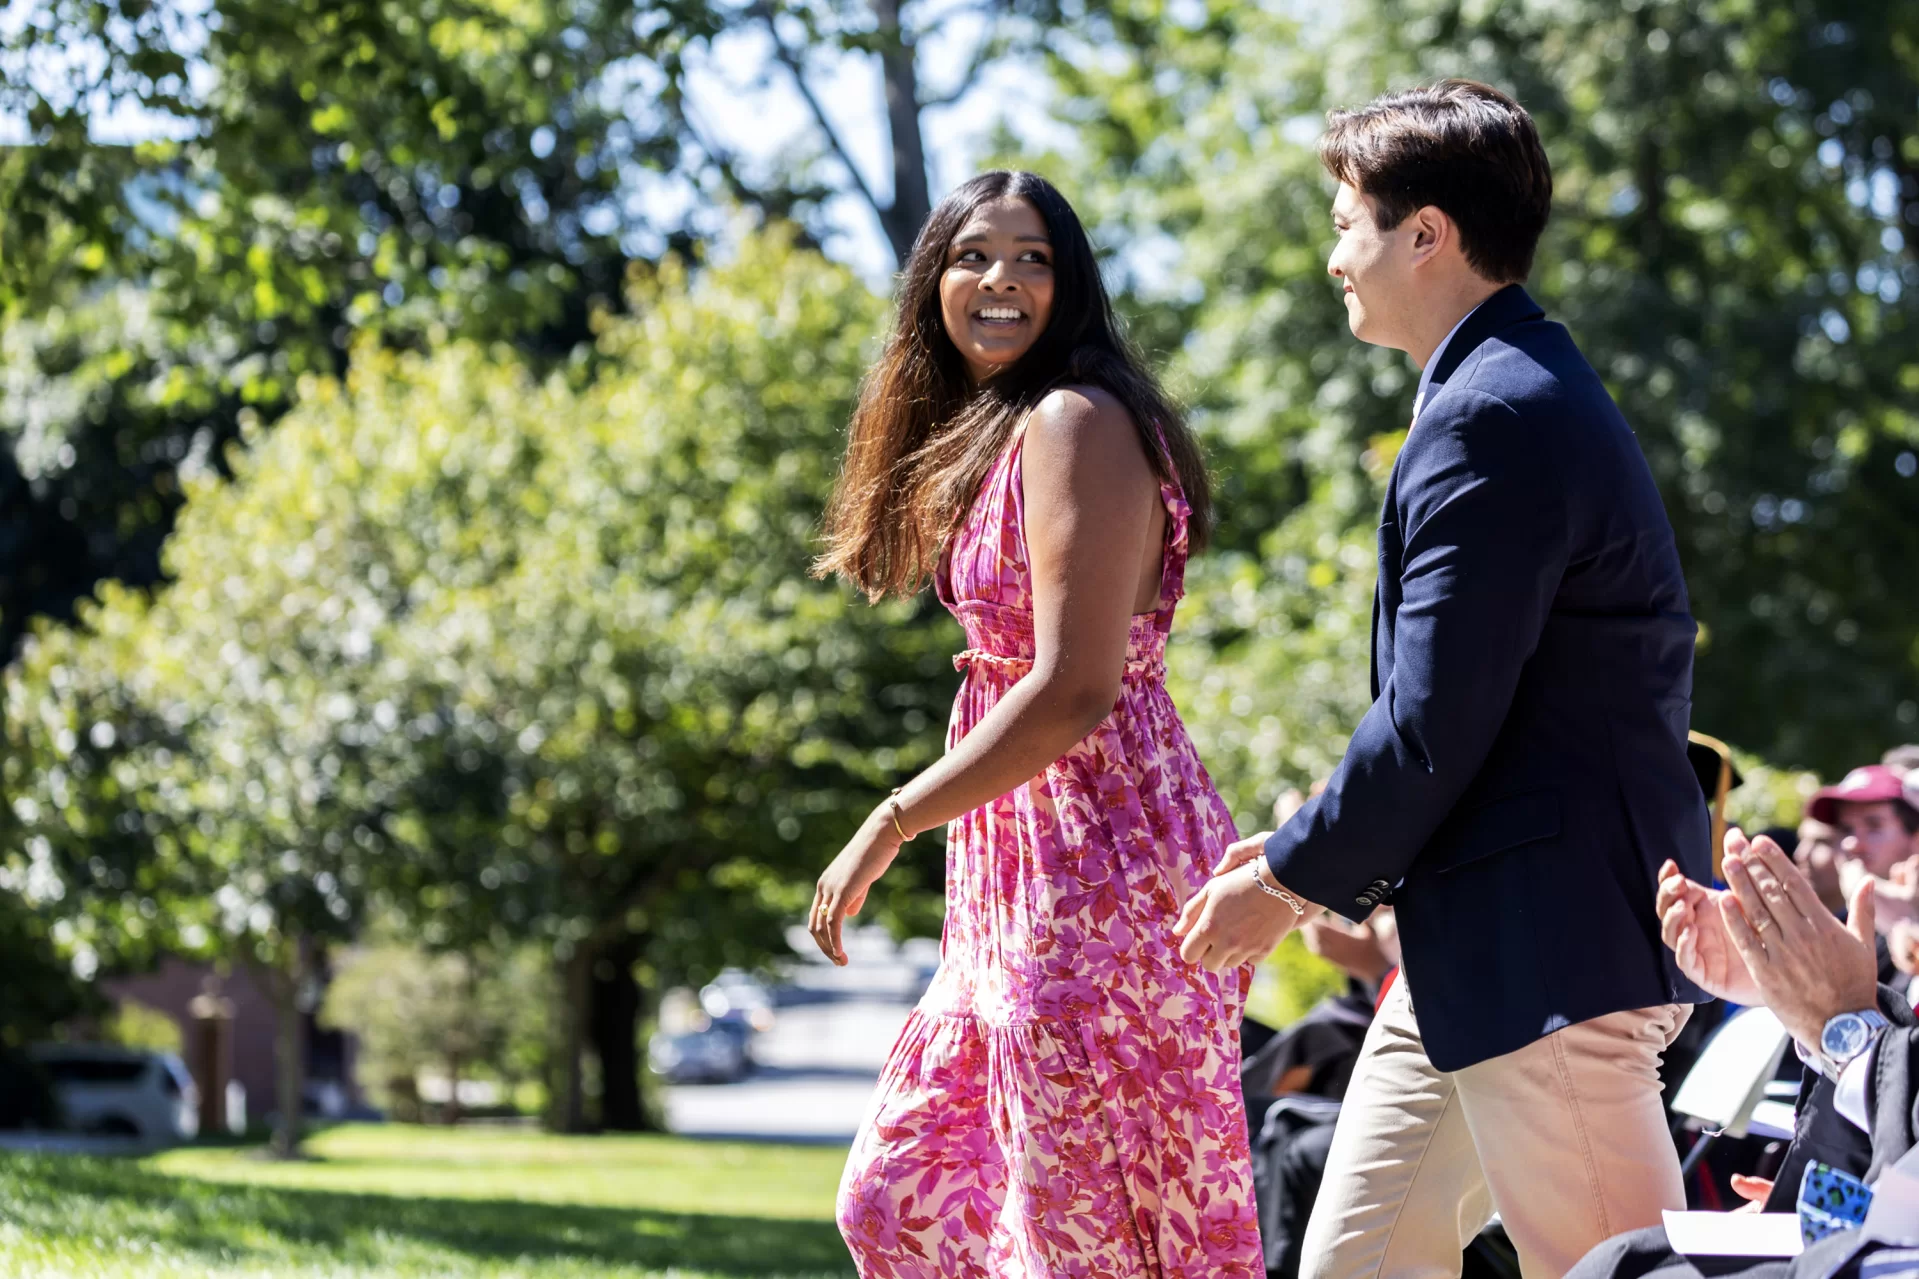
(1463,147)
(1908,816)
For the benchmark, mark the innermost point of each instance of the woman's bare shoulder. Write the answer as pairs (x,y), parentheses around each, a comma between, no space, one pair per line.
(1082,425)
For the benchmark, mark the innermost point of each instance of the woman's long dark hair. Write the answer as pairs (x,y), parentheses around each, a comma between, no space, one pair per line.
(924,435)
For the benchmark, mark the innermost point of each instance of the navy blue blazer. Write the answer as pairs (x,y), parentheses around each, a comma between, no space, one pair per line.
(1522,772)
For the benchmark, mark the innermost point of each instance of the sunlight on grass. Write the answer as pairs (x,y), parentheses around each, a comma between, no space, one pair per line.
(664,1173)
(400,1201)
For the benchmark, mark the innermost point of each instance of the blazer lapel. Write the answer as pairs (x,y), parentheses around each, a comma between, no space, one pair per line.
(1511,305)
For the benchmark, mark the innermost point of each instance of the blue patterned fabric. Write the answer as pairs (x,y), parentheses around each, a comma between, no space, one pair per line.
(1830,1201)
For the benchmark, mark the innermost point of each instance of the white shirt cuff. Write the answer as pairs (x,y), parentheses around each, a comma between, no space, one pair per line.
(1849,1094)
(1849,1090)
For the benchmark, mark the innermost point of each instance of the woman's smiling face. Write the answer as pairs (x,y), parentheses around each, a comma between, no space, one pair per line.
(996,294)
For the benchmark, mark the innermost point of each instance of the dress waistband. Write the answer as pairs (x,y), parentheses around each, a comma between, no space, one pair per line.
(1139,666)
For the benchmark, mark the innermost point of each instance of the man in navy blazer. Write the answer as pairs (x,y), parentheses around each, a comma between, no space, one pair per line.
(1521,775)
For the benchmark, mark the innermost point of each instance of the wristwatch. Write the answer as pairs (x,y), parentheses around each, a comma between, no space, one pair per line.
(1845,1037)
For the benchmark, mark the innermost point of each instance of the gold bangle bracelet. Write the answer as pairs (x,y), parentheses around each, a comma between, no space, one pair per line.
(893,811)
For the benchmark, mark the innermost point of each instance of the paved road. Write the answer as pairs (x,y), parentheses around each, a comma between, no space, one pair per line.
(818,1064)
(816,1072)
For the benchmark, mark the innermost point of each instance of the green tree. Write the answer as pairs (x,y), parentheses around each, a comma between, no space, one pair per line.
(40,993)
(459,1015)
(671,722)
(1739,272)
(419,169)
(505,658)
(318,170)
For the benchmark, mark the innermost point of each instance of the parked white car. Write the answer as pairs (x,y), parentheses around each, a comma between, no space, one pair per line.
(123,1092)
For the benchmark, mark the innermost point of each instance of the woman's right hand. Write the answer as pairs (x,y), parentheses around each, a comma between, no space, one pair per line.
(842,888)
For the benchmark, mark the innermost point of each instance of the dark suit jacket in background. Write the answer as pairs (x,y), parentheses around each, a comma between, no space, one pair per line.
(1821,1133)
(1522,772)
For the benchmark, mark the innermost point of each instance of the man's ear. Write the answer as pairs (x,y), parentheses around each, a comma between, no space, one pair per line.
(1432,232)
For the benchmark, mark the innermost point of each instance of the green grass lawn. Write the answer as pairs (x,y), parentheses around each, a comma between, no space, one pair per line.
(405,1201)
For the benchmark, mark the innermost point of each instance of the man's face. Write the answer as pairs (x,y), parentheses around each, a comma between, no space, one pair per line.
(1374,267)
(1818,855)
(1874,836)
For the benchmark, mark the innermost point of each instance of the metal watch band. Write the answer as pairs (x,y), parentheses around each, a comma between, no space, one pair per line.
(1832,1066)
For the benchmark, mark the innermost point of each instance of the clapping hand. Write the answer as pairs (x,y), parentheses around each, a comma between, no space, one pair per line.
(1806,965)
(1691,925)
(1896,897)
(1903,942)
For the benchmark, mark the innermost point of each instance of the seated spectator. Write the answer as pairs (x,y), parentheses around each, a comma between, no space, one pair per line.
(1877,811)
(1817,854)
(1877,814)
(1767,939)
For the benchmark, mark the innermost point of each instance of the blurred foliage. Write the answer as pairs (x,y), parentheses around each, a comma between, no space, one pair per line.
(1289,982)
(312,171)
(459,1015)
(1739,272)
(1768,796)
(508,658)
(135,1025)
(307,172)
(40,990)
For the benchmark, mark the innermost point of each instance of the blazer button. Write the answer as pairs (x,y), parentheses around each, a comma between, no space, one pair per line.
(1362,901)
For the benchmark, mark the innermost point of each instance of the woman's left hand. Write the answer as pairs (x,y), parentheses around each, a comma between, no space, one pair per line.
(842,888)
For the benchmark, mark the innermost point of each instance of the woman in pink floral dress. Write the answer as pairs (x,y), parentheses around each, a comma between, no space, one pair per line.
(1065,1099)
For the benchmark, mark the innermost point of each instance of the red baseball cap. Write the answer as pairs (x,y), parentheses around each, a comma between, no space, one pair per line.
(1872,784)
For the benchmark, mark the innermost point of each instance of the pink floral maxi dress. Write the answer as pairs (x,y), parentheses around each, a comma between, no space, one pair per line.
(1065,1099)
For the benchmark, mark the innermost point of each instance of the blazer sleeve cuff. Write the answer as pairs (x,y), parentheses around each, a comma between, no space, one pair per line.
(1340,893)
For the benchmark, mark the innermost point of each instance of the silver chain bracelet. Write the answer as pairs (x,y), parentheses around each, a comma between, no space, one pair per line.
(1299,907)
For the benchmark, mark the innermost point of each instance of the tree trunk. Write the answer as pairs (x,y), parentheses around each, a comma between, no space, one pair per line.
(912,200)
(289,1046)
(615,1029)
(566,1103)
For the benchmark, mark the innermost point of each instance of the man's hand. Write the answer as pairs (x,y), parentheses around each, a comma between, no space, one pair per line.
(1895,898)
(1903,942)
(1232,920)
(1808,966)
(1692,928)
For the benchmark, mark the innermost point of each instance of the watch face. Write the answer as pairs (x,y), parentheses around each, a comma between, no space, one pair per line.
(1845,1036)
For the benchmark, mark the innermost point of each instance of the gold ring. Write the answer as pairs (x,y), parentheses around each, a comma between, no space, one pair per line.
(1762,925)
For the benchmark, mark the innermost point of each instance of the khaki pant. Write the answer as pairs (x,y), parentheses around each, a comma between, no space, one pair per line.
(1565,1137)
